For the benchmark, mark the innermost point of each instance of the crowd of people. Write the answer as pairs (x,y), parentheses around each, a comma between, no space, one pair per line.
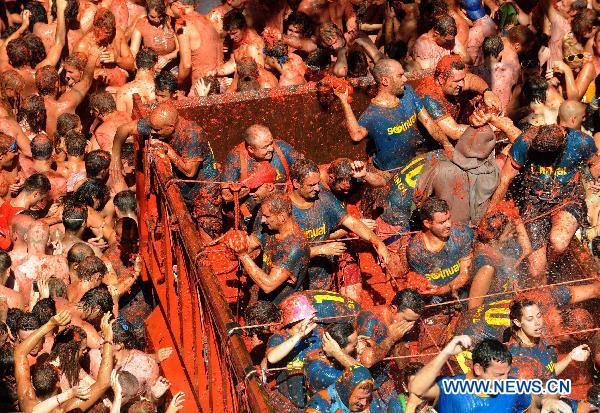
(481,172)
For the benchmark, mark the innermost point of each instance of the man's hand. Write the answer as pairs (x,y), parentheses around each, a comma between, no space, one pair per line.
(162,62)
(176,403)
(25,18)
(106,327)
(480,118)
(330,346)
(369,223)
(114,382)
(43,288)
(201,87)
(399,329)
(383,253)
(16,187)
(107,57)
(164,353)
(303,328)
(359,169)
(333,249)
(492,100)
(82,391)
(61,319)
(160,387)
(343,95)
(61,6)
(560,66)
(457,345)
(580,353)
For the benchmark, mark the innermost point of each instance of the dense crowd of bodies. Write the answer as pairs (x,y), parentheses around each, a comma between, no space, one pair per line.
(480,173)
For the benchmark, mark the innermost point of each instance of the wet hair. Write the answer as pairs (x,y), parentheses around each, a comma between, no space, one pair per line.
(446,65)
(70,12)
(142,406)
(340,332)
(279,204)
(36,49)
(492,46)
(75,143)
(44,379)
(18,53)
(5,261)
(408,298)
(66,348)
(396,50)
(129,384)
(164,80)
(302,168)
(77,60)
(74,216)
(535,90)
(341,169)
(78,252)
(103,102)
(297,18)
(146,59)
(89,267)
(13,316)
(445,26)
(358,65)
(593,396)
(431,206)
(383,67)
(125,337)
(583,24)
(38,13)
(33,111)
(44,310)
(46,79)
(41,148)
(28,322)
(97,298)
(247,69)
(548,138)
(96,162)
(234,19)
(37,182)
(158,5)
(104,19)
(489,350)
(92,190)
(522,35)
(516,313)
(128,153)
(279,51)
(57,287)
(11,79)
(325,33)
(318,58)
(125,201)
(66,122)
(262,312)
(7,361)
(429,11)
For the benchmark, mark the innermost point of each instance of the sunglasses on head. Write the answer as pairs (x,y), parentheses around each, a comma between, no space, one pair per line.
(13,148)
(573,57)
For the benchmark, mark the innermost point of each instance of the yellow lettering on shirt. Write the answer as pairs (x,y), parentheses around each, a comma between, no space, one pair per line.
(404,126)
(550,366)
(498,316)
(315,232)
(319,298)
(444,273)
(548,170)
(267,261)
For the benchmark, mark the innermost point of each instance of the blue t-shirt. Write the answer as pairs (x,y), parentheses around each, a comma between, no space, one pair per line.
(394,131)
(189,141)
(369,325)
(319,372)
(536,362)
(317,223)
(472,403)
(441,267)
(503,261)
(579,149)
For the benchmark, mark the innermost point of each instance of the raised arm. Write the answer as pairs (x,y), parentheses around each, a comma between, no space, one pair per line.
(298,332)
(434,130)
(22,29)
(372,355)
(78,92)
(357,132)
(55,51)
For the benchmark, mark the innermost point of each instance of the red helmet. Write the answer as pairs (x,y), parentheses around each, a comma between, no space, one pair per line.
(296,307)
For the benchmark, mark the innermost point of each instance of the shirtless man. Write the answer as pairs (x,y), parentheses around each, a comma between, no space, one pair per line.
(143,84)
(290,66)
(90,272)
(12,298)
(250,76)
(43,163)
(18,230)
(246,43)
(9,165)
(48,82)
(74,221)
(438,42)
(38,264)
(340,12)
(107,118)
(47,31)
(108,41)
(11,89)
(200,46)
(75,144)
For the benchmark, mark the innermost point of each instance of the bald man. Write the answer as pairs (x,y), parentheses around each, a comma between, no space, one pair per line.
(184,143)
(391,119)
(571,114)
(38,265)
(258,146)
(19,226)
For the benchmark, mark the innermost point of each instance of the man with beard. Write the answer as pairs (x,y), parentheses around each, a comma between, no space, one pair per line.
(391,120)
(551,158)
(319,214)
(106,40)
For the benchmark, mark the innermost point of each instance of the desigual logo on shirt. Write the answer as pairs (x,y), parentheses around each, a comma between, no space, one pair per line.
(315,232)
(445,273)
(548,170)
(267,260)
(404,126)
